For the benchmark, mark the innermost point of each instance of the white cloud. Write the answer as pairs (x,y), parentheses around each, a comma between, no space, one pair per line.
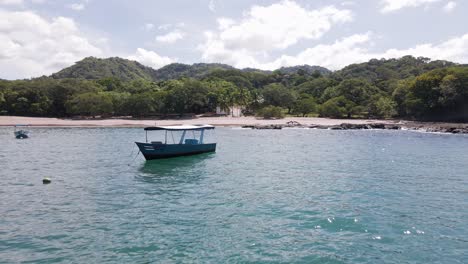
(225,23)
(211,6)
(450,6)
(356,48)
(31,45)
(352,49)
(279,26)
(150,58)
(11,2)
(348,3)
(77,6)
(267,28)
(454,49)
(337,55)
(164,26)
(170,37)
(149,26)
(394,5)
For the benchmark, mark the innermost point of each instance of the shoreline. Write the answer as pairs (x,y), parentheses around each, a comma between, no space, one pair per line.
(246,122)
(216,121)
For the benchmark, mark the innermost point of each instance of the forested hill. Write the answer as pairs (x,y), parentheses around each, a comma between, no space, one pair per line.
(378,70)
(92,68)
(407,87)
(306,69)
(179,70)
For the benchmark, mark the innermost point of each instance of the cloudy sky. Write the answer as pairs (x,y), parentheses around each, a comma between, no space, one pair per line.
(39,37)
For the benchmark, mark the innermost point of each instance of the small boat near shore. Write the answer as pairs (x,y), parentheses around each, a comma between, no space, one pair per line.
(21,133)
(192,141)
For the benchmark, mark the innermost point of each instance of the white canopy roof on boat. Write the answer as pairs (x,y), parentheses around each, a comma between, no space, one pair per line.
(183,127)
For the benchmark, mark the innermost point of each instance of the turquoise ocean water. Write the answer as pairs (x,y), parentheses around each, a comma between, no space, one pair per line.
(282,196)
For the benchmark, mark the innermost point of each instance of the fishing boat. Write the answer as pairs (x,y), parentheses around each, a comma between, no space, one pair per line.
(192,141)
(21,133)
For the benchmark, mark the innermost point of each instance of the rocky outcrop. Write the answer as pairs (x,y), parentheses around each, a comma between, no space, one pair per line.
(264,126)
(433,127)
(460,129)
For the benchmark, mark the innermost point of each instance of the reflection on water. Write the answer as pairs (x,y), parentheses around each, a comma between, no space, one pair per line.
(181,168)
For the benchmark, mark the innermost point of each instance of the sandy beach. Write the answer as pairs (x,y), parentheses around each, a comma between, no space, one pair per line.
(216,121)
(454,128)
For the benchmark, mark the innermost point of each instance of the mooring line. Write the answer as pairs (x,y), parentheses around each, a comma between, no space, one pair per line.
(134,158)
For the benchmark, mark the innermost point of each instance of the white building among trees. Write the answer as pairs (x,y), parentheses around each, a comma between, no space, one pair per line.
(233,111)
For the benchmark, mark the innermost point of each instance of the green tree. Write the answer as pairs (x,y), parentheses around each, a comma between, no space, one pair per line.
(331,109)
(270,111)
(2,102)
(278,95)
(355,90)
(316,87)
(91,104)
(305,106)
(338,107)
(382,107)
(144,104)
(189,96)
(400,95)
(21,106)
(111,84)
(119,99)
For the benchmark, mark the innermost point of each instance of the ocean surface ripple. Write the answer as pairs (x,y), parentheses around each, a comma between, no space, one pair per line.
(289,196)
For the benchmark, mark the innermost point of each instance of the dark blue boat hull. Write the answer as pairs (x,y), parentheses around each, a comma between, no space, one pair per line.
(21,135)
(163,151)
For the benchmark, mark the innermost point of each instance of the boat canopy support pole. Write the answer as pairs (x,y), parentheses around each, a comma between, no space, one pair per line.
(182,137)
(146,136)
(165,137)
(201,135)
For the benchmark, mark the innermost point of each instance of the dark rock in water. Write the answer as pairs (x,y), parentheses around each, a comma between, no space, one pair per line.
(347,126)
(46,181)
(271,127)
(450,130)
(264,126)
(377,126)
(455,130)
(354,126)
(434,127)
(293,124)
(392,127)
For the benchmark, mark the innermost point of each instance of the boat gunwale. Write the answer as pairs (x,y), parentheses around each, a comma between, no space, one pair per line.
(180,128)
